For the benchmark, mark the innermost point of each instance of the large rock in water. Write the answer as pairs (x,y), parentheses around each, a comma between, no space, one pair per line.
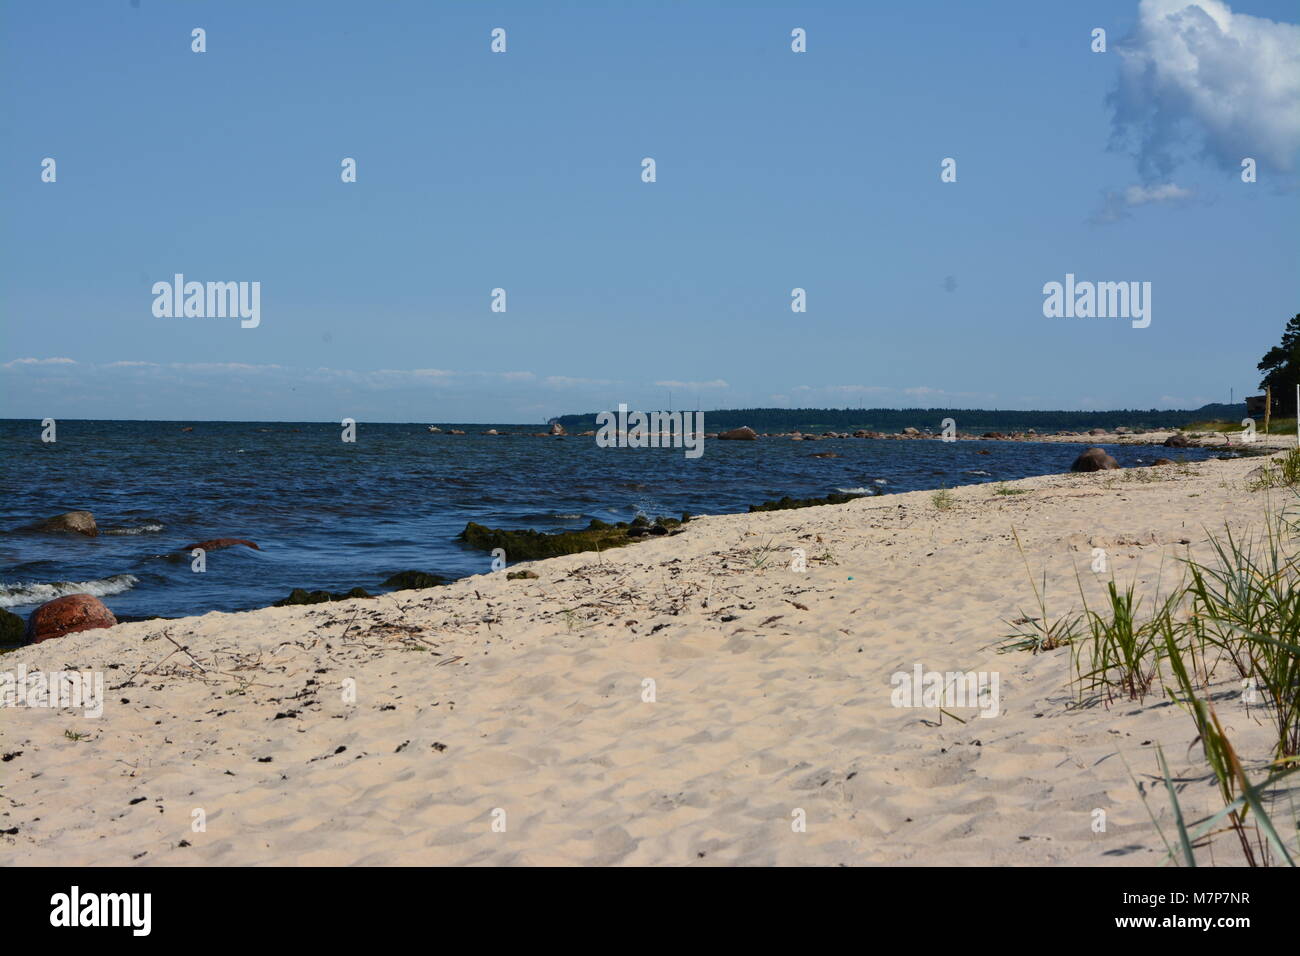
(743,433)
(1177,441)
(557,429)
(1094,459)
(216,544)
(67,615)
(82,522)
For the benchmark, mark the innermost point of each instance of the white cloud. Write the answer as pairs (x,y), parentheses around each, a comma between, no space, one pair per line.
(15,363)
(1139,195)
(385,379)
(844,389)
(716,383)
(1115,206)
(1196,75)
(564,381)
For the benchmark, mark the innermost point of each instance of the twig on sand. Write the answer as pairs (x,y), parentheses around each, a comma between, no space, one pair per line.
(185,651)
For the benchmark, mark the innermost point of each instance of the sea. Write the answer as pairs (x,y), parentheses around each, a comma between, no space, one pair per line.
(333,515)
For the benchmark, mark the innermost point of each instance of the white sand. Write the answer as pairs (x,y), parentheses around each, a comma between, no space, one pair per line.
(773,695)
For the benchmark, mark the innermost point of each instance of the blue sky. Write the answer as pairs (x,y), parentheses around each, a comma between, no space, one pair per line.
(522,171)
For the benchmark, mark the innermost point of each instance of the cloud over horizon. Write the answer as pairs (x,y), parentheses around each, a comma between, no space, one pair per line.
(1197,79)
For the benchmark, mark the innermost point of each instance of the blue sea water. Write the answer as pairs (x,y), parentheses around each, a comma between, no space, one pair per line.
(335,515)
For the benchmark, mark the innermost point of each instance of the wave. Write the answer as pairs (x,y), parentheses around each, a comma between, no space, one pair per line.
(858,491)
(149,527)
(15,595)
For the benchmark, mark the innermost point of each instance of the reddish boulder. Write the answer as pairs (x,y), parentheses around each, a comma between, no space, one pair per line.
(216,544)
(67,615)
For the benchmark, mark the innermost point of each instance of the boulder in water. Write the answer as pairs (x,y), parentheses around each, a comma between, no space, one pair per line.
(82,522)
(743,433)
(1094,459)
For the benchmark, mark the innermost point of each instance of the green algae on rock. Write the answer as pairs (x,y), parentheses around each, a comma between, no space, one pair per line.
(303,596)
(529,545)
(787,503)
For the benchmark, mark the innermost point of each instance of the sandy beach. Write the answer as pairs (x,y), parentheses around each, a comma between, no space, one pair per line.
(499,721)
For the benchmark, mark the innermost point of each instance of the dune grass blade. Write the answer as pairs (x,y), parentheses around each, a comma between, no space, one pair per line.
(1184,840)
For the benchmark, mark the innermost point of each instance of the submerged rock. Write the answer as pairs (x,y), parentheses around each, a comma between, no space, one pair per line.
(69,614)
(216,544)
(81,522)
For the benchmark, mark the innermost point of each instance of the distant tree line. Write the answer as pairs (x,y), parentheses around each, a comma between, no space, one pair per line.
(977,420)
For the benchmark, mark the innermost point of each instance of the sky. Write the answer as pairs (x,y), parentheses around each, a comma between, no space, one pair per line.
(522,170)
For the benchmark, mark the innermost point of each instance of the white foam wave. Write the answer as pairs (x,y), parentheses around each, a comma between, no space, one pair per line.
(16,595)
(149,527)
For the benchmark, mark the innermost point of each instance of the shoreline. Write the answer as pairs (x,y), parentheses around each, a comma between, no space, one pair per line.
(771,694)
(300,595)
